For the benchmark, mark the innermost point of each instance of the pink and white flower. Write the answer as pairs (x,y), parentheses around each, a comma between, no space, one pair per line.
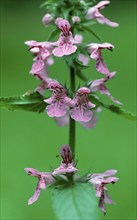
(94,13)
(42,59)
(42,52)
(99,180)
(64,45)
(99,85)
(67,164)
(58,102)
(80,106)
(44,178)
(95,53)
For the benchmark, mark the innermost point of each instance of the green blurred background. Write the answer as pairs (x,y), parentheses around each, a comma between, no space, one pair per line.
(33,140)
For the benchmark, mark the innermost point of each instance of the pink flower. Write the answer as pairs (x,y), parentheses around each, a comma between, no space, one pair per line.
(44,178)
(42,52)
(58,102)
(47,19)
(95,53)
(94,12)
(67,165)
(99,181)
(64,45)
(80,106)
(42,59)
(99,85)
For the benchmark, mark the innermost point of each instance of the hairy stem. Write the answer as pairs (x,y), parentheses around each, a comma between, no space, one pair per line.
(72,122)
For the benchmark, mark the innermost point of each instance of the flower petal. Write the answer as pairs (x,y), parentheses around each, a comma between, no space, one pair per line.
(101,66)
(91,123)
(32,43)
(58,52)
(35,197)
(83,59)
(110,172)
(64,168)
(69,49)
(107,198)
(62,121)
(102,4)
(101,205)
(42,87)
(37,66)
(57,109)
(103,20)
(110,180)
(81,113)
(32,172)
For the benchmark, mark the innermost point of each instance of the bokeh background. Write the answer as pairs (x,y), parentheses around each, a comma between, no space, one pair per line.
(33,140)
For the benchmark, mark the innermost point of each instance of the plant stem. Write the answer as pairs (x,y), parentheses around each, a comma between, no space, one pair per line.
(72,122)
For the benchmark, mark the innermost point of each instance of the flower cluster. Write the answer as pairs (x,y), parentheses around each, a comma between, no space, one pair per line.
(78,107)
(60,105)
(67,166)
(48,178)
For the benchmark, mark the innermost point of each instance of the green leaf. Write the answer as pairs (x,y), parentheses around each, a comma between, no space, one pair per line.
(44,4)
(122,112)
(53,34)
(81,75)
(79,64)
(75,201)
(114,109)
(86,28)
(30,101)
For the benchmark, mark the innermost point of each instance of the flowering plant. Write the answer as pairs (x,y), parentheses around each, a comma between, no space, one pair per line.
(68,105)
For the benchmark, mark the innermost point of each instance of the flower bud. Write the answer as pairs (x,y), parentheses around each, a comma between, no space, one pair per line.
(47,19)
(66,154)
(75,19)
(63,25)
